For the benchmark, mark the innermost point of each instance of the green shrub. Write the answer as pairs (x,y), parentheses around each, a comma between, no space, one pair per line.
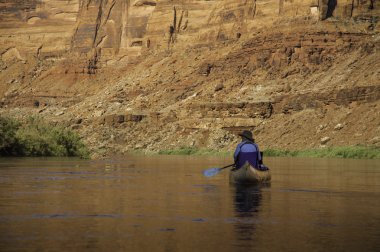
(8,140)
(37,138)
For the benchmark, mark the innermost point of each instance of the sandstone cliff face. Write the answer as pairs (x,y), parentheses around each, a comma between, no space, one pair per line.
(193,73)
(35,27)
(112,29)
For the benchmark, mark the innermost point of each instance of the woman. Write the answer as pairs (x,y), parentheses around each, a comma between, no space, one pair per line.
(247,151)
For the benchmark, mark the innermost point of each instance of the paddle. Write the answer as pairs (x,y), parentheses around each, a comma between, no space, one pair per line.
(213,171)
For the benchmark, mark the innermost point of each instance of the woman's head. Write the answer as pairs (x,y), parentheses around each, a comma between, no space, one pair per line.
(247,135)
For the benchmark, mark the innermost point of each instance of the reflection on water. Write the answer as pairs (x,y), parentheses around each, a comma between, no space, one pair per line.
(163,203)
(247,201)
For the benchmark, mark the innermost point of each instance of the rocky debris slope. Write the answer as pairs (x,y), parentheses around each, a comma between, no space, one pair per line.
(300,74)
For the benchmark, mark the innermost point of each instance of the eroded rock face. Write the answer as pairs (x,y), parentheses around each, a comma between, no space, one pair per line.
(111,29)
(37,26)
(192,70)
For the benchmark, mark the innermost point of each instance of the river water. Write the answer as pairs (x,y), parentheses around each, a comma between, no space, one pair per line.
(164,203)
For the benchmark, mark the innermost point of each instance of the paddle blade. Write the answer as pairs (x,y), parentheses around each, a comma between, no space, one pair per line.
(211,172)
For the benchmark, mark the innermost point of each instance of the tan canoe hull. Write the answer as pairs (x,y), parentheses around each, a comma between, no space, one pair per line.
(249,175)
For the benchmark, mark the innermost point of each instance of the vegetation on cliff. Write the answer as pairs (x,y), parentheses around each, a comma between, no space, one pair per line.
(38,138)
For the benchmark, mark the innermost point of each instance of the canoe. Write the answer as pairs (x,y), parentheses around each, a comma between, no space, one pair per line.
(247,174)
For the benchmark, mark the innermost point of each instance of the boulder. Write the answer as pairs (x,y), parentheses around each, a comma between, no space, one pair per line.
(325,140)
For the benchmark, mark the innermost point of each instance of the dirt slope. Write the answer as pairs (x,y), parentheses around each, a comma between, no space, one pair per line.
(298,80)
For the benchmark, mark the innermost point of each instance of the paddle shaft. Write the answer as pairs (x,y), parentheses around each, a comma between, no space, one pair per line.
(226,166)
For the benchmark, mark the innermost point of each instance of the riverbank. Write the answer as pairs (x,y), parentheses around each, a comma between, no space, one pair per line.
(35,137)
(356,152)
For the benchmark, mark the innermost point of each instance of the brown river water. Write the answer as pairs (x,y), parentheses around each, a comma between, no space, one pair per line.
(164,203)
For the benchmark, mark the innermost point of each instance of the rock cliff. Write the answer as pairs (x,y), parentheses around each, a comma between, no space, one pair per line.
(151,75)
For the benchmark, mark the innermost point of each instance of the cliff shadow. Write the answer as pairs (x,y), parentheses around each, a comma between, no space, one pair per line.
(331,5)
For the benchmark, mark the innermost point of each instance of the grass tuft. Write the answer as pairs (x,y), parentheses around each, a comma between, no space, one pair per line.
(356,152)
(193,151)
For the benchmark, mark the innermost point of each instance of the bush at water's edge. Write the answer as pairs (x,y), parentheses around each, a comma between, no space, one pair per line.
(8,139)
(38,138)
